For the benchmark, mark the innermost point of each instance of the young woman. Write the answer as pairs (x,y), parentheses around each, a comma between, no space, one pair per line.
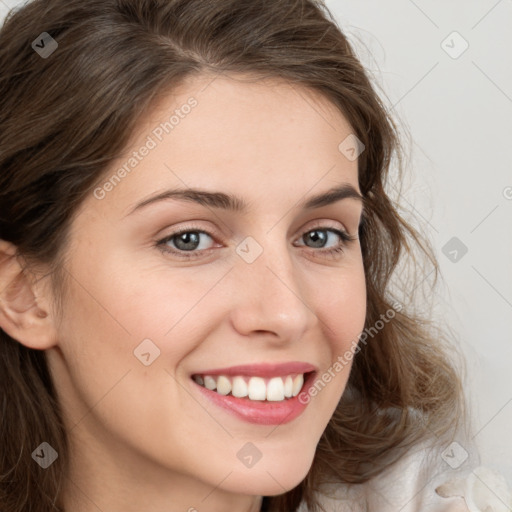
(198,308)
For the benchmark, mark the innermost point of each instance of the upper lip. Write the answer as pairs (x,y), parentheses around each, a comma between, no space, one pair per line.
(262,370)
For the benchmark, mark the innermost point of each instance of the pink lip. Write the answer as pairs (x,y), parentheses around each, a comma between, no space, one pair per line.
(262,370)
(261,412)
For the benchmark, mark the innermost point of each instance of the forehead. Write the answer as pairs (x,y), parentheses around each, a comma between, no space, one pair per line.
(235,133)
(233,110)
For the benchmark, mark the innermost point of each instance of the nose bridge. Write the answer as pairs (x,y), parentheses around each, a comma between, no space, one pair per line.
(270,295)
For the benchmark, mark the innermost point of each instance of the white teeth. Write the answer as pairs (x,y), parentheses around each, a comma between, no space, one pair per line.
(275,389)
(239,388)
(257,389)
(288,387)
(209,382)
(297,384)
(223,385)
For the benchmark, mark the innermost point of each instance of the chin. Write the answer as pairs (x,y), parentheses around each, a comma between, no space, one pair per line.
(271,479)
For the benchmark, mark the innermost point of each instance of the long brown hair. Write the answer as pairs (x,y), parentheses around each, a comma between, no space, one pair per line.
(66,117)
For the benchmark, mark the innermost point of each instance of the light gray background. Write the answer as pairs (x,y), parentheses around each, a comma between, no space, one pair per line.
(458,112)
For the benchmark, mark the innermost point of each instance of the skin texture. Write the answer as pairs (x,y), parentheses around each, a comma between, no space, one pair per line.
(144,437)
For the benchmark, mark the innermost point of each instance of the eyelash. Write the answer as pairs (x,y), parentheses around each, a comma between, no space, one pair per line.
(189,255)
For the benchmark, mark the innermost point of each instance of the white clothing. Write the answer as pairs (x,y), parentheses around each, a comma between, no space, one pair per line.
(424,480)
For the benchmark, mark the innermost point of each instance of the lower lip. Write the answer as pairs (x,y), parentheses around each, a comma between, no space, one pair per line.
(261,412)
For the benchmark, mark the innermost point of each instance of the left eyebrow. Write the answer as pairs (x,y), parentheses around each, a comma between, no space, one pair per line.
(236,204)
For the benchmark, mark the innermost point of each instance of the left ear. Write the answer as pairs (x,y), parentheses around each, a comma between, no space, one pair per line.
(25,312)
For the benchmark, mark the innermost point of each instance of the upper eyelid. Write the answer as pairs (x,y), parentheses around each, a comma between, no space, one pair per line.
(320,224)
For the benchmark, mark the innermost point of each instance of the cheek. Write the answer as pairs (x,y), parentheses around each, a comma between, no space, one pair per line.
(119,316)
(124,301)
(107,389)
(341,305)
(342,311)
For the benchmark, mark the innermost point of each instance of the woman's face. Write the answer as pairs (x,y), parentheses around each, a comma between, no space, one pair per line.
(261,287)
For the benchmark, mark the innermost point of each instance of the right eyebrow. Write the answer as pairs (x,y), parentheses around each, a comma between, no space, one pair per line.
(215,199)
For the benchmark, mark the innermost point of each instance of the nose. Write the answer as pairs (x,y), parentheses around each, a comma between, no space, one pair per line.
(269,298)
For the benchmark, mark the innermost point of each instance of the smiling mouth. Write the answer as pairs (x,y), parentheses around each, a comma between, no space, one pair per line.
(274,389)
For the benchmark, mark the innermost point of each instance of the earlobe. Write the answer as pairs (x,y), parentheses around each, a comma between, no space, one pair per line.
(24,315)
